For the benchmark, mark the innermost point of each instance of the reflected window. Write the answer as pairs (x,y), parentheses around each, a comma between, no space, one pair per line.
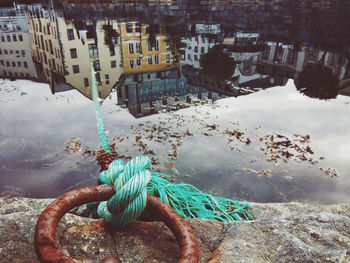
(2,38)
(86,82)
(129,28)
(51,48)
(138,62)
(23,53)
(131,63)
(111,51)
(13,64)
(113,64)
(70,34)
(19,64)
(14,38)
(150,60)
(131,48)
(196,49)
(93,51)
(25,64)
(156,59)
(106,76)
(98,77)
(138,48)
(167,58)
(73,53)
(97,66)
(137,28)
(8,38)
(75,69)
(157,45)
(202,50)
(195,57)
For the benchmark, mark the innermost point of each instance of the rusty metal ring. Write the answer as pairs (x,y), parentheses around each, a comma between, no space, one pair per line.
(48,249)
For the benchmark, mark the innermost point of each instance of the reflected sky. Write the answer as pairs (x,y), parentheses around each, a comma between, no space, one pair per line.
(34,161)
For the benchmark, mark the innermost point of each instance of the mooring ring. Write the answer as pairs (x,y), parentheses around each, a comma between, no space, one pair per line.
(48,249)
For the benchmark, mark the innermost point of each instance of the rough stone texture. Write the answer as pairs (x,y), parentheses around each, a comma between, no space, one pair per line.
(290,232)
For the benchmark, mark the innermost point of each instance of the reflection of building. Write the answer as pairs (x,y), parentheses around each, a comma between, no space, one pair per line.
(242,40)
(210,29)
(144,47)
(86,44)
(65,51)
(15,46)
(45,40)
(195,47)
(292,59)
(149,92)
(248,75)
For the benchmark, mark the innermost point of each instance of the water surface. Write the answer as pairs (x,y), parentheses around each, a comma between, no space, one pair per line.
(250,135)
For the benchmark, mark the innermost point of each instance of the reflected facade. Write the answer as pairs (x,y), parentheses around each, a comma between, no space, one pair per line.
(154,61)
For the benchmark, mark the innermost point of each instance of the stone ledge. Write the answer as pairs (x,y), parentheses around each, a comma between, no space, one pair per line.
(281,232)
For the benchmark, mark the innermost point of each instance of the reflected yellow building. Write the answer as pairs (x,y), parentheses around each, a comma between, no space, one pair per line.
(144,47)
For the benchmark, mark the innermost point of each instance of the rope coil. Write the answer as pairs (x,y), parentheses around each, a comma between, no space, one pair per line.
(130,181)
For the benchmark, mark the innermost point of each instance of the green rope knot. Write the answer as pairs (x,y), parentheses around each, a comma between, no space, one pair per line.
(130,199)
(134,180)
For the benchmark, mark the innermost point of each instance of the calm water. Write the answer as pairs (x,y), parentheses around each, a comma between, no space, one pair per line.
(218,99)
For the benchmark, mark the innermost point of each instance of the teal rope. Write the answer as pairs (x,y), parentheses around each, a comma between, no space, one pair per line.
(100,127)
(134,180)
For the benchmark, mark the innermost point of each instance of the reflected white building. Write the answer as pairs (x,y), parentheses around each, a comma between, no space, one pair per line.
(15,46)
(194,48)
(84,45)
(65,50)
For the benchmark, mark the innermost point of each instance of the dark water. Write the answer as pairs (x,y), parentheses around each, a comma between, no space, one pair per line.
(246,101)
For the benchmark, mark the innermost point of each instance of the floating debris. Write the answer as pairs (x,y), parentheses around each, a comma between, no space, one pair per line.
(330,172)
(279,147)
(73,145)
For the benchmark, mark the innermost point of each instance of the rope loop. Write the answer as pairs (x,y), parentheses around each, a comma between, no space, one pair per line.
(130,181)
